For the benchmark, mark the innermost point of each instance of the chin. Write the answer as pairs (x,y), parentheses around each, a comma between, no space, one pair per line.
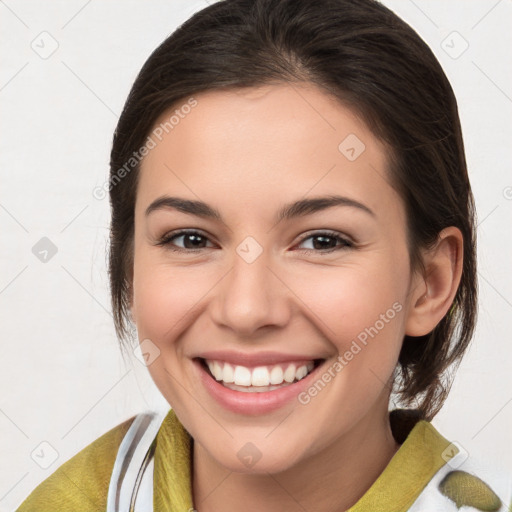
(249,459)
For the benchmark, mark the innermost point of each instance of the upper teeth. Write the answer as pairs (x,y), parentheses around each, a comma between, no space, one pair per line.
(259,376)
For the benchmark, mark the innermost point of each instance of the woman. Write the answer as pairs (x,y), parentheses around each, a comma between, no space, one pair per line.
(293,237)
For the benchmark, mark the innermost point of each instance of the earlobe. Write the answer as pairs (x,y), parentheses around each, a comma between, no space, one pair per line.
(432,294)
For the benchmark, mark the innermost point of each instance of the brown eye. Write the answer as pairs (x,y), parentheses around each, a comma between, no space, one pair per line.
(192,240)
(326,241)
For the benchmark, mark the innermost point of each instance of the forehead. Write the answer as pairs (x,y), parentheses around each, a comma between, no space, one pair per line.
(256,145)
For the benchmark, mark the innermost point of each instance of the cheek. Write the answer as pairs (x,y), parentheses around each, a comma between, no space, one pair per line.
(360,311)
(348,300)
(163,297)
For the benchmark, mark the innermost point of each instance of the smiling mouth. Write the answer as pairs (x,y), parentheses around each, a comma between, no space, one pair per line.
(259,379)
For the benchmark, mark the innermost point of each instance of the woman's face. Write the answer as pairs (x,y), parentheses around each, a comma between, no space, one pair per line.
(252,284)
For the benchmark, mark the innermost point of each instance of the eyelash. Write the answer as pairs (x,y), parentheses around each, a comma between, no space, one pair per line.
(165,241)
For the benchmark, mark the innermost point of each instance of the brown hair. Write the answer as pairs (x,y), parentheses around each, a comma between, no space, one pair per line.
(371,61)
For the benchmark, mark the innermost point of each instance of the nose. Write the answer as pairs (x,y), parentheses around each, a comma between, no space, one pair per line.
(251,296)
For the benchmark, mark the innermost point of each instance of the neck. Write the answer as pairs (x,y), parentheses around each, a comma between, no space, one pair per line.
(332,479)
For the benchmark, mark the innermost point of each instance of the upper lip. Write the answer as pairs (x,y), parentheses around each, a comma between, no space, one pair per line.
(256,358)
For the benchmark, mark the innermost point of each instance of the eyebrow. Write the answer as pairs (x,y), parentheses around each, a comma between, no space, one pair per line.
(298,208)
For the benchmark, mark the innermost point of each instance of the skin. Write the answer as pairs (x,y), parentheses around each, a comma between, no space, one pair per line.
(247,152)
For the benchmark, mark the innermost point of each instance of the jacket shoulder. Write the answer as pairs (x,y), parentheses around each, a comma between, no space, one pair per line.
(469,482)
(82,482)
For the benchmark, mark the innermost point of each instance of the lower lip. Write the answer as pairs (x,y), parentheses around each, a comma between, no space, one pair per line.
(253,403)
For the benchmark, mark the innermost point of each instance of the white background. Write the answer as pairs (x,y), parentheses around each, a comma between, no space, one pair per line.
(62,377)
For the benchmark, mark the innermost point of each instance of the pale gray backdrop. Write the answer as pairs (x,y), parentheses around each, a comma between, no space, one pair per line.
(66,69)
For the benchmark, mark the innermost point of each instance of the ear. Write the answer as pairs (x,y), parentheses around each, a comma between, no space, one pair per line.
(432,294)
